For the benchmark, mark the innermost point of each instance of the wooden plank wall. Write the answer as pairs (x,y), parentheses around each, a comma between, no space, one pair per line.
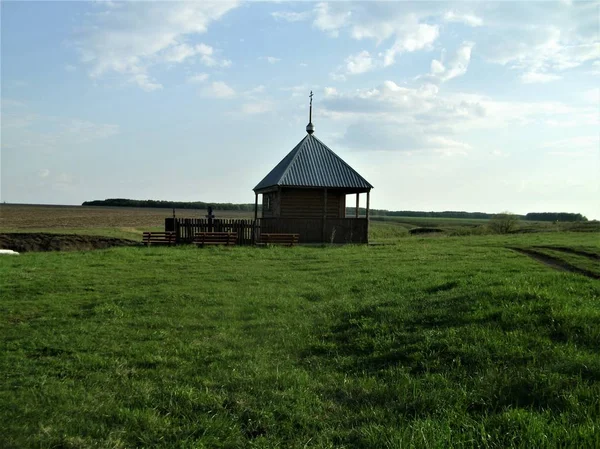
(308,203)
(347,230)
(337,230)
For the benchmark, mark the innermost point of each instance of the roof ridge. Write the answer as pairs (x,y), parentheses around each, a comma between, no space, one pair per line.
(342,161)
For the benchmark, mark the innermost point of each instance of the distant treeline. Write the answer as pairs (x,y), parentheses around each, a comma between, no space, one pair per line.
(533,216)
(554,216)
(421,214)
(122,202)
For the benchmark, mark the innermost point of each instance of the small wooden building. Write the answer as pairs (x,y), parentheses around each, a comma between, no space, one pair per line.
(306,194)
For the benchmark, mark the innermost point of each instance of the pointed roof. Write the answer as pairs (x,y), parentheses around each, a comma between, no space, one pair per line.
(312,164)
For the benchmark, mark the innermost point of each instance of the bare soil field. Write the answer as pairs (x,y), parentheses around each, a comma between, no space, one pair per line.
(26,242)
(26,216)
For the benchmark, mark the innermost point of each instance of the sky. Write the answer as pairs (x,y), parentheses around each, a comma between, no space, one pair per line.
(475,106)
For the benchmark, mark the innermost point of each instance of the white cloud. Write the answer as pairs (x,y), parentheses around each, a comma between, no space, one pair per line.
(208,58)
(145,83)
(70,68)
(543,40)
(400,117)
(22,131)
(219,89)
(533,77)
(359,63)
(43,173)
(539,40)
(86,131)
(256,90)
(257,107)
(378,21)
(330,19)
(330,91)
(456,66)
(291,16)
(270,59)
(591,96)
(131,39)
(387,136)
(437,67)
(419,38)
(574,145)
(337,76)
(466,18)
(181,52)
(300,90)
(198,78)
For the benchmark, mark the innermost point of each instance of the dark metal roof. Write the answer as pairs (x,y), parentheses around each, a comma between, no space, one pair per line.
(312,164)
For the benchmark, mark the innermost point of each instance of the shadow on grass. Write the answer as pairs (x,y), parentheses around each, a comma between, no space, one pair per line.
(446,356)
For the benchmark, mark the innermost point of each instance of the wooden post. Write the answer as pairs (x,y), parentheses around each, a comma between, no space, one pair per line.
(324,237)
(356,216)
(367,215)
(255,205)
(255,222)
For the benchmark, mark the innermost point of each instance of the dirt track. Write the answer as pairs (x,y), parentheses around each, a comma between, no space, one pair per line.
(555,262)
(27,242)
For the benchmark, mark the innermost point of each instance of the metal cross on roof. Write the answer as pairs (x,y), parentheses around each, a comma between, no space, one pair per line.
(310,127)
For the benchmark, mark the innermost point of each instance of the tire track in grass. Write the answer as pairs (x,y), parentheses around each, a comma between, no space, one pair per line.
(555,262)
(566,249)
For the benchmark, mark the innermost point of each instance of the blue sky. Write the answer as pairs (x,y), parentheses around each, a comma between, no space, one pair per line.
(477,106)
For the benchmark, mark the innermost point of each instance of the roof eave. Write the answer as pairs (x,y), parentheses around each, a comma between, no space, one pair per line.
(345,189)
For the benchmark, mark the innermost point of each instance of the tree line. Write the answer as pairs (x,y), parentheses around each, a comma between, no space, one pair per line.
(532,216)
(420,214)
(123,202)
(554,216)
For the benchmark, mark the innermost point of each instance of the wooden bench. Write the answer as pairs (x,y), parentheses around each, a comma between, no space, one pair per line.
(158,238)
(215,238)
(279,239)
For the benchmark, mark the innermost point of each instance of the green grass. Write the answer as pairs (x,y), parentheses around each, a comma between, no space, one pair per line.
(464,226)
(413,222)
(431,342)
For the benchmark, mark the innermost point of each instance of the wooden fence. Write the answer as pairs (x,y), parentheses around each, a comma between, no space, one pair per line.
(186,228)
(311,230)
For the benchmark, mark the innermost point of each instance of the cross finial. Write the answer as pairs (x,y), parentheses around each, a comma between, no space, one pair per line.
(310,127)
(310,109)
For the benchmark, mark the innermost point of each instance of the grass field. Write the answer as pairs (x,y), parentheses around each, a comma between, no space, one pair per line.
(129,223)
(425,342)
